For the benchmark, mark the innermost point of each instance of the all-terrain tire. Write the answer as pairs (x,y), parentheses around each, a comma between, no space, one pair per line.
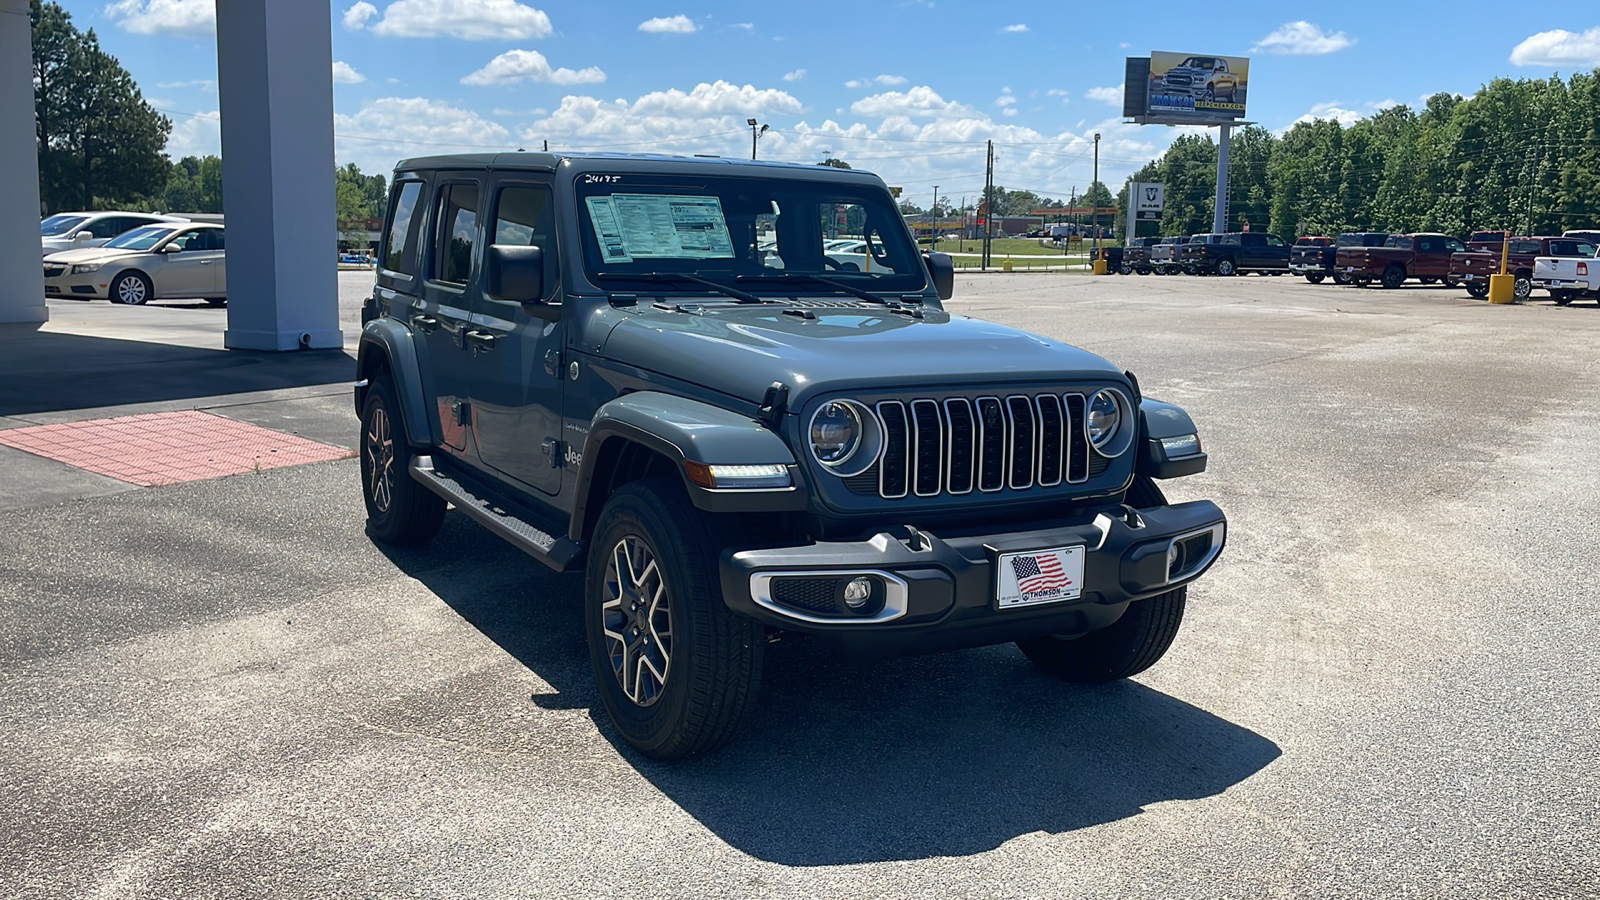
(400,511)
(1393,277)
(712,660)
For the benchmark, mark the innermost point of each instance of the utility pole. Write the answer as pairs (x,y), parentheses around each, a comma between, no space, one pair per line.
(1094,199)
(988,207)
(935,212)
(961,236)
(754,133)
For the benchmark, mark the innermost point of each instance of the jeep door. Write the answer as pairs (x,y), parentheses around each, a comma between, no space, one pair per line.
(440,317)
(515,347)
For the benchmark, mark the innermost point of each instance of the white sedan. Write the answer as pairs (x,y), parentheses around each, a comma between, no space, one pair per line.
(156,262)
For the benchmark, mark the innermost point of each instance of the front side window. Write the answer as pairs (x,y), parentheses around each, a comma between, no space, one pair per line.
(458,232)
(140,238)
(736,229)
(57,225)
(1274,241)
(525,217)
(399,252)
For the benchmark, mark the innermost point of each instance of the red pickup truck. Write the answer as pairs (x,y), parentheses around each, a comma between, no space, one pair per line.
(1481,259)
(1424,256)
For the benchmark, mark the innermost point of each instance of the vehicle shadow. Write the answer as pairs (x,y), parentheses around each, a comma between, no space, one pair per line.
(50,371)
(944,755)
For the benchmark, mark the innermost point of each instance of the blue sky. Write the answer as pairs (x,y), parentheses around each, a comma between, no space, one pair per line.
(908,89)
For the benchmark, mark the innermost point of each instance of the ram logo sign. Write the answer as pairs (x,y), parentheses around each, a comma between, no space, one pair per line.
(1196,88)
(1148,201)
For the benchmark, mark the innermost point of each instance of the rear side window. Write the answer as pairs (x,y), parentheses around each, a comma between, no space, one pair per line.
(399,252)
(1525,247)
(524,217)
(458,232)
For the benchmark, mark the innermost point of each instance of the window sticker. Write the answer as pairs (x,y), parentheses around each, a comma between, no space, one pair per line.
(660,226)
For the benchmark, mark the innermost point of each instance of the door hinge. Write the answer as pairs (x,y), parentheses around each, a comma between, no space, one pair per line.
(552,363)
(774,404)
(551,449)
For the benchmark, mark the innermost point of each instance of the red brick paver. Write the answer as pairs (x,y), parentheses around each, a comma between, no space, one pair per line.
(165,448)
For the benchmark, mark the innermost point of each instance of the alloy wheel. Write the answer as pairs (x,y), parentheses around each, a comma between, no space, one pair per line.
(379,450)
(636,621)
(131,291)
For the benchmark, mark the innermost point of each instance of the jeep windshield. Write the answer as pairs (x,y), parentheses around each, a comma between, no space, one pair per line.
(638,229)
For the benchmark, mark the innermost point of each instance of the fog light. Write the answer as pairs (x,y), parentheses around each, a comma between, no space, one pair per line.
(1173,553)
(857,592)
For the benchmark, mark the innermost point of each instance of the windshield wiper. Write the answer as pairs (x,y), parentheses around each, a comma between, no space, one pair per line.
(850,289)
(735,293)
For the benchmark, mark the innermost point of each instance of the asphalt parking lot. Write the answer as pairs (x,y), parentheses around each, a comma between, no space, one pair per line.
(1386,687)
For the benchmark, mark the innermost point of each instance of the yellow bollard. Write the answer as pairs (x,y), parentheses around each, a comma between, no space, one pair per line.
(1006,266)
(1100,267)
(1502,288)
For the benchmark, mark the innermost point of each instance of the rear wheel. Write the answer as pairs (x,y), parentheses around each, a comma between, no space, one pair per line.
(1428,280)
(1561,298)
(132,288)
(1478,289)
(1315,277)
(1363,281)
(1226,267)
(399,510)
(677,670)
(1341,278)
(1393,277)
(1124,269)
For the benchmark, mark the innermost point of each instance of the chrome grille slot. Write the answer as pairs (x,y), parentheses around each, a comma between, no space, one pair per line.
(1052,439)
(993,437)
(1024,435)
(894,471)
(927,427)
(963,445)
(1077,440)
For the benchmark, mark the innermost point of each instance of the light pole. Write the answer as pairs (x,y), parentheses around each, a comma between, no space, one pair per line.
(935,212)
(755,133)
(1094,204)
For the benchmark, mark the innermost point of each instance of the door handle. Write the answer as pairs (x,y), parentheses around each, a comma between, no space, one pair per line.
(205,262)
(426,323)
(480,340)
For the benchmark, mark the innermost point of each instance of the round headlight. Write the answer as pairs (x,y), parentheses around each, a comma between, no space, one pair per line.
(1105,415)
(835,433)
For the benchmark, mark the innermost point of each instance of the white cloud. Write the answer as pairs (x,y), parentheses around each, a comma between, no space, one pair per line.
(515,66)
(165,16)
(885,80)
(204,84)
(199,135)
(1559,48)
(796,75)
(1015,29)
(720,97)
(1065,95)
(919,102)
(344,74)
(1010,111)
(669,25)
(355,18)
(1331,110)
(471,20)
(1124,45)
(1005,100)
(1111,95)
(430,125)
(1302,39)
(744,26)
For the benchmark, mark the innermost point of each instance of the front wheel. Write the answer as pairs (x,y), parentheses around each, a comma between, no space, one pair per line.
(1522,288)
(400,511)
(677,670)
(1315,277)
(132,289)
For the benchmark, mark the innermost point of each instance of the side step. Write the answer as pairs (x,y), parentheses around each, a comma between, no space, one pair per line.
(558,553)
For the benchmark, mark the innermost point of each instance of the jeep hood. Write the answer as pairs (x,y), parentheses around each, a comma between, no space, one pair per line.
(740,351)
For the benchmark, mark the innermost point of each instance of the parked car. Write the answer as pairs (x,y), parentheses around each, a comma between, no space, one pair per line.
(1424,255)
(1166,254)
(82,230)
(1570,271)
(154,262)
(1483,258)
(1236,253)
(1136,257)
(587,357)
(1583,234)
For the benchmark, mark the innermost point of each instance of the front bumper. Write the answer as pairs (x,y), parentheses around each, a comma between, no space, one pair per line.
(941,592)
(75,287)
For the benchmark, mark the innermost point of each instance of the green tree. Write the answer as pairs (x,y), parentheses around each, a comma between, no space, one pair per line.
(194,185)
(99,142)
(358,199)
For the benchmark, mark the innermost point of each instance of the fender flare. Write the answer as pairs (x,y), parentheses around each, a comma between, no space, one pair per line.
(685,430)
(1159,420)
(394,343)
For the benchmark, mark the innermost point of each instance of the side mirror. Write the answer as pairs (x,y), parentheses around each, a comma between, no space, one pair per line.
(942,269)
(172,248)
(515,274)
(85,235)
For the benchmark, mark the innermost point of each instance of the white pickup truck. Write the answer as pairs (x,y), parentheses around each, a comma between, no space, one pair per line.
(1572,274)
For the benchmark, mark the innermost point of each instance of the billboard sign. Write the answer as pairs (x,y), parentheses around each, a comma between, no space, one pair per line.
(1199,89)
(1148,200)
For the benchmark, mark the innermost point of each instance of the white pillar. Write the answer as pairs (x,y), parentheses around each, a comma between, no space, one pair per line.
(1219,214)
(274,71)
(21,275)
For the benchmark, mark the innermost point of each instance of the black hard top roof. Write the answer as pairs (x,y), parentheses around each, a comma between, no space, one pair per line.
(629,162)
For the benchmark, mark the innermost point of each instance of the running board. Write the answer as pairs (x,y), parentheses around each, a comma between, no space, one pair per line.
(558,553)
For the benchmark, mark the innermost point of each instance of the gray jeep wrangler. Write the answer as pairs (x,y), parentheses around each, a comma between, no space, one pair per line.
(729,392)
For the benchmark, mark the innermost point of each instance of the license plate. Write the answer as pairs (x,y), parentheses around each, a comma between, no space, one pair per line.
(1468,277)
(1349,268)
(1039,576)
(1559,283)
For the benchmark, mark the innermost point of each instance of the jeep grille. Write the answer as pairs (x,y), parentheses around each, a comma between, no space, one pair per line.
(985,444)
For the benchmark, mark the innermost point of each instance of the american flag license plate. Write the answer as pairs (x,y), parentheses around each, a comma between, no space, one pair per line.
(1039,576)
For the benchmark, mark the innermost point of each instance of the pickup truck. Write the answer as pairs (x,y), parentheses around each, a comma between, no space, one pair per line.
(1569,272)
(1237,252)
(1482,258)
(1165,256)
(1136,258)
(1312,256)
(1424,256)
